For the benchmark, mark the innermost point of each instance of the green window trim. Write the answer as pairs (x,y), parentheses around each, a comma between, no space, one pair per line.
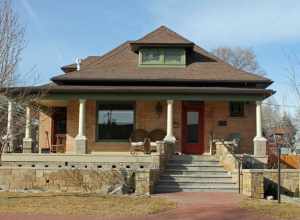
(160,59)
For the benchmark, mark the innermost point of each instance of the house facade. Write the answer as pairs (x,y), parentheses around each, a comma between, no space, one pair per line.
(137,84)
(161,81)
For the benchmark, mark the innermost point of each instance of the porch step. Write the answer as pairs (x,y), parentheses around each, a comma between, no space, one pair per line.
(168,189)
(189,173)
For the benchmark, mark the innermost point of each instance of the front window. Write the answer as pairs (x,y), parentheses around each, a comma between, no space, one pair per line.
(162,57)
(115,121)
(236,109)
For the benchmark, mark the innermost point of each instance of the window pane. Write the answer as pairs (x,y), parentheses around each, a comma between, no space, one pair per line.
(173,56)
(115,123)
(151,56)
(192,127)
(236,109)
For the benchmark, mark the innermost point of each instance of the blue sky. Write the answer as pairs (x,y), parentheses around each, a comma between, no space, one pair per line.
(57,31)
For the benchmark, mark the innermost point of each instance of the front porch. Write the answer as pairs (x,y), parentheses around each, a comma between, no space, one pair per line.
(93,126)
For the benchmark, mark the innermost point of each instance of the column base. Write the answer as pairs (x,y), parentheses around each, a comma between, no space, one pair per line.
(80,145)
(170,139)
(27,145)
(260,146)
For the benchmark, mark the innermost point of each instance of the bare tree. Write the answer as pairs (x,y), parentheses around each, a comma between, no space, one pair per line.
(245,59)
(241,58)
(11,46)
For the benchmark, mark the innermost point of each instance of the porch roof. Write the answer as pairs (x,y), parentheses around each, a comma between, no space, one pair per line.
(54,91)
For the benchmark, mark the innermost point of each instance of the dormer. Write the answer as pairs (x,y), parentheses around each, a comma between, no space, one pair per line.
(162,48)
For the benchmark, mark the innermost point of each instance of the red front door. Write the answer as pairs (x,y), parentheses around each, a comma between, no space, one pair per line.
(193,127)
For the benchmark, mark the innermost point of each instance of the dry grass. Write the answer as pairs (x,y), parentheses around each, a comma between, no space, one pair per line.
(272,208)
(82,204)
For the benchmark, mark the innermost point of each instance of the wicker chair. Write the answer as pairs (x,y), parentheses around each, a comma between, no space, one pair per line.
(154,136)
(138,140)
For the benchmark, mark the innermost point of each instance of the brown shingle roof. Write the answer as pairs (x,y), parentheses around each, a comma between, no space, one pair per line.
(122,64)
(163,35)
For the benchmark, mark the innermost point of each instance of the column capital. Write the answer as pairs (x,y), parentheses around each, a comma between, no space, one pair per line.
(258,102)
(170,102)
(82,100)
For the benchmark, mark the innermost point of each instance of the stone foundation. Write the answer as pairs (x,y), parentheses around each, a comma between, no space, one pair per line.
(258,183)
(253,183)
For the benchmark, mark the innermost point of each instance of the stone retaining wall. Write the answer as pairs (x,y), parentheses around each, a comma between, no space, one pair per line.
(75,180)
(257,183)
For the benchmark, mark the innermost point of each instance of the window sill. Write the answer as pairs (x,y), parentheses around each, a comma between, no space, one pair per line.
(108,141)
(161,66)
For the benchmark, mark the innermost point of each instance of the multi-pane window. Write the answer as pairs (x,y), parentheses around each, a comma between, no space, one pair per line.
(162,56)
(115,121)
(151,56)
(236,109)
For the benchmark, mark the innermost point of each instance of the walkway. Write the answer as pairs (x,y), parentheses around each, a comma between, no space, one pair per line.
(192,206)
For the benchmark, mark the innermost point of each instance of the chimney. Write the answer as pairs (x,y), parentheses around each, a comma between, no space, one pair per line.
(78,61)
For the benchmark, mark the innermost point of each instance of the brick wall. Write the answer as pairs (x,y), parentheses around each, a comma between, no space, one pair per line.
(45,125)
(246,125)
(147,118)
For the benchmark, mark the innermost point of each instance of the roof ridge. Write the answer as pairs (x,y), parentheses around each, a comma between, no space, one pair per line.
(109,54)
(168,31)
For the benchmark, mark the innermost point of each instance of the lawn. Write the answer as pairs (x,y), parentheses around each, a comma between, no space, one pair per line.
(272,208)
(82,204)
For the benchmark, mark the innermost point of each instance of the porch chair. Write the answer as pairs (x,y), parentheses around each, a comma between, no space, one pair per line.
(138,140)
(154,136)
(234,141)
(60,143)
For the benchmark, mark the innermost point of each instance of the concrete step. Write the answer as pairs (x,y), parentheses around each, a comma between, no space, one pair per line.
(166,189)
(193,172)
(180,165)
(193,158)
(194,168)
(201,175)
(197,180)
(198,163)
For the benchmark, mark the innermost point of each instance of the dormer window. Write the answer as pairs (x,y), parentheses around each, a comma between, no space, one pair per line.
(169,57)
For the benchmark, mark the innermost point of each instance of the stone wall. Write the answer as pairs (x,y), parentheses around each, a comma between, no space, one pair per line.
(258,183)
(253,183)
(290,181)
(70,180)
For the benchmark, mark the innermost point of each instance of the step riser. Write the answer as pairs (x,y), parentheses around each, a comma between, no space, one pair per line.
(195,190)
(198,180)
(204,169)
(196,172)
(196,185)
(194,162)
(193,165)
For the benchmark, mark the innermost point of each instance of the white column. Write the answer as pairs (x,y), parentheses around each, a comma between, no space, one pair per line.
(27,141)
(80,140)
(170,137)
(9,133)
(28,119)
(259,140)
(258,119)
(81,120)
